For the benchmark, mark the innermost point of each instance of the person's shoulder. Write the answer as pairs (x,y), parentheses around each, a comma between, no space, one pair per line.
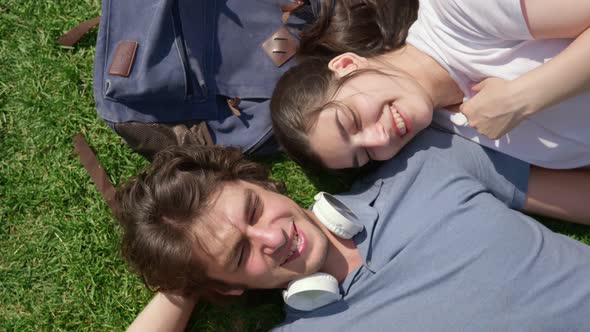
(315,320)
(430,142)
(434,147)
(497,19)
(431,136)
(429,146)
(451,9)
(460,7)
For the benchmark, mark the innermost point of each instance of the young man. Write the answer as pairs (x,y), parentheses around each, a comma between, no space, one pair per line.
(441,248)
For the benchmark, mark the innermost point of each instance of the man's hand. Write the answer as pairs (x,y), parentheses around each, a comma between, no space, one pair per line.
(497,107)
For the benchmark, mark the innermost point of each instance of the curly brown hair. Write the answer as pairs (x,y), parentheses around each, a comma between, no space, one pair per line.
(159,207)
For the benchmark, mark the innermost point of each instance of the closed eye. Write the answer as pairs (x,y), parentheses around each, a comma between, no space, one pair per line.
(359,127)
(255,208)
(352,127)
(241,256)
(357,122)
(351,116)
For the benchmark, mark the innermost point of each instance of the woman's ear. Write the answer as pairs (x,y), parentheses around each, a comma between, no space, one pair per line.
(346,63)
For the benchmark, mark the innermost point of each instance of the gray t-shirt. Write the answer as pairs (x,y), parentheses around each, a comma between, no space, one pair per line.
(443,251)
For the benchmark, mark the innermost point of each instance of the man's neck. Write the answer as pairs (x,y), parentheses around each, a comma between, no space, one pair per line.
(433,77)
(342,256)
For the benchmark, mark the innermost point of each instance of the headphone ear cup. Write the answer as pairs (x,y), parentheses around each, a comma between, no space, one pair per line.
(312,292)
(336,216)
(320,289)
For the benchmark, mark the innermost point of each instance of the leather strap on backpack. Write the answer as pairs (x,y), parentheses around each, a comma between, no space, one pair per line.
(74,35)
(281,46)
(96,172)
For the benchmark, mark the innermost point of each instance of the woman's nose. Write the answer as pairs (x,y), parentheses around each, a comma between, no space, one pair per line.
(374,135)
(269,237)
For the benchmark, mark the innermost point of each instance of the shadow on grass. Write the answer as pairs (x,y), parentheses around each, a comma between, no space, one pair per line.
(259,313)
(89,39)
(322,181)
(577,231)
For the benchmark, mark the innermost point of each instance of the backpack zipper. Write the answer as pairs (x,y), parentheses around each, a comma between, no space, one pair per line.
(180,42)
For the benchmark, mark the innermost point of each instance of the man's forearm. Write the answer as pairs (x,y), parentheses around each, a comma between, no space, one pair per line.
(164,313)
(562,194)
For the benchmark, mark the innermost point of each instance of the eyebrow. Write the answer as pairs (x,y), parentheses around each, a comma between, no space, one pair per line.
(249,193)
(344,135)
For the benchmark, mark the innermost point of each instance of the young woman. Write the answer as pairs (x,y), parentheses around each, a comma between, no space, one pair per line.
(355,108)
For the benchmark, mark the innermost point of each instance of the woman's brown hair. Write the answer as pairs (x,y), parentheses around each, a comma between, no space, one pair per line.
(365,27)
(300,95)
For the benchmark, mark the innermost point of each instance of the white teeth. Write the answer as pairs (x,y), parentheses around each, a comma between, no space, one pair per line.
(295,244)
(399,121)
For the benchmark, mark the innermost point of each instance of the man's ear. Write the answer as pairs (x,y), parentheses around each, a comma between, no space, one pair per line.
(346,63)
(234,291)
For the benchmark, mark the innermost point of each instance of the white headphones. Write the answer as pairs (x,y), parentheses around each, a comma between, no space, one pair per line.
(320,289)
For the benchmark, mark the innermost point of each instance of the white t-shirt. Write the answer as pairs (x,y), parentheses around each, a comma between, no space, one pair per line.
(475,39)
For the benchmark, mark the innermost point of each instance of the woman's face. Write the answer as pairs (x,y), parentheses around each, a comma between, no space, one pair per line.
(373,116)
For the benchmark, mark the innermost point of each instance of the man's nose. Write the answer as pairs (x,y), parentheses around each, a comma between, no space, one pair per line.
(270,238)
(374,135)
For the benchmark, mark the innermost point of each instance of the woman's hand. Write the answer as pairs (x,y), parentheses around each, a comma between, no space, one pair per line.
(501,105)
(498,106)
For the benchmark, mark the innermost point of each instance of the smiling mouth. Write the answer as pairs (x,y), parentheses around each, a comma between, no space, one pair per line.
(401,124)
(297,245)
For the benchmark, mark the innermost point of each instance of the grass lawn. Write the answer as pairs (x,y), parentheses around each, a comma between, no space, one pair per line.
(59,263)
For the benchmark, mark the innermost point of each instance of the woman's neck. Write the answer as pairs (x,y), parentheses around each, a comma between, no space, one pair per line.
(433,77)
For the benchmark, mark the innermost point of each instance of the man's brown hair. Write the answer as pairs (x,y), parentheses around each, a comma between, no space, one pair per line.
(160,206)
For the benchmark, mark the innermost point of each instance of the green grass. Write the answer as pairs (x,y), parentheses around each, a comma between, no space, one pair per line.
(60,267)
(59,263)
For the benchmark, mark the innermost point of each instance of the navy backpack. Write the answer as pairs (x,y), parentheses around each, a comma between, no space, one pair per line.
(193,71)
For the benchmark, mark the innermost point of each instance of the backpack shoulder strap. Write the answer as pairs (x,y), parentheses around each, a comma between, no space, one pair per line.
(74,35)
(96,172)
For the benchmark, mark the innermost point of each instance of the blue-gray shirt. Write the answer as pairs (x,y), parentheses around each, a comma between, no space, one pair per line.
(443,251)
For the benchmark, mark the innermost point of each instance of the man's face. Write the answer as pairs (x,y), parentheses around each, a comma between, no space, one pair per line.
(381,114)
(259,239)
